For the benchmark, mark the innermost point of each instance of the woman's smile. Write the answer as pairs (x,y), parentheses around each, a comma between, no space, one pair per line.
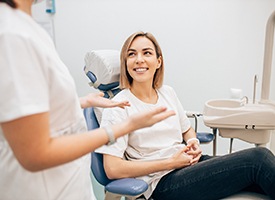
(141,69)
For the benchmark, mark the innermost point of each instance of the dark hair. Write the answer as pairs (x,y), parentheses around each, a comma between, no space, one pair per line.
(11,3)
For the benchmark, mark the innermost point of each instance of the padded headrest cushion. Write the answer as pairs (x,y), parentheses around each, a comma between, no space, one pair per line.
(104,65)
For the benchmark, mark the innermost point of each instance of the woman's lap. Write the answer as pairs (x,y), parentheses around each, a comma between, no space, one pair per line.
(218,177)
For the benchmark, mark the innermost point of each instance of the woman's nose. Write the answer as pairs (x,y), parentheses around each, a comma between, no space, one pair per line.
(139,58)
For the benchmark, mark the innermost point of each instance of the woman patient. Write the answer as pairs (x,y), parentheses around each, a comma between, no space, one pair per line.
(157,154)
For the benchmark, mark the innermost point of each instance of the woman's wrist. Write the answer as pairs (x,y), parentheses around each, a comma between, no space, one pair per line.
(192,139)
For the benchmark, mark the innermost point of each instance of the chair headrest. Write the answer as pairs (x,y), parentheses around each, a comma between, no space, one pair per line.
(102,67)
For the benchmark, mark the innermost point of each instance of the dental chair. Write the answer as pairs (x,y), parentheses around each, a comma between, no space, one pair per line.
(130,188)
(103,68)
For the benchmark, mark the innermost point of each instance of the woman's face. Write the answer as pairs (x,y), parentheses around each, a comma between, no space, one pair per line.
(142,61)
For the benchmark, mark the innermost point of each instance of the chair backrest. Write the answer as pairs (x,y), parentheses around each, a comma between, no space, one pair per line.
(97,158)
(102,67)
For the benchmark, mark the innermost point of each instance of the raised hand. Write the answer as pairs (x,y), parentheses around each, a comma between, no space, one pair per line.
(97,100)
(146,119)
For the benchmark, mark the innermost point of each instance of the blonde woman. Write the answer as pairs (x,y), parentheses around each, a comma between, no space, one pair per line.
(157,155)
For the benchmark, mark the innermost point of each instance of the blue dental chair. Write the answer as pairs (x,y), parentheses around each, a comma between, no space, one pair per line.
(128,187)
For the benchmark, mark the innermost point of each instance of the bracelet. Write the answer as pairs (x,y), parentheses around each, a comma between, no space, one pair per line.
(191,139)
(110,135)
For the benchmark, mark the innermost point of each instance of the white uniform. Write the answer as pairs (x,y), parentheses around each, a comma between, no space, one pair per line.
(34,80)
(160,141)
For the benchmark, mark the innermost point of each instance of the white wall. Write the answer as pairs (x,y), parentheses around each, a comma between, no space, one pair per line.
(209,46)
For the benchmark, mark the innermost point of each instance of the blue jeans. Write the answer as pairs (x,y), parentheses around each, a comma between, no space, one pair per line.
(219,177)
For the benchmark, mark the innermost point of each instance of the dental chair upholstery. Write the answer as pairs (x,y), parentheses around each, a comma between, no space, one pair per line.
(103,68)
(128,187)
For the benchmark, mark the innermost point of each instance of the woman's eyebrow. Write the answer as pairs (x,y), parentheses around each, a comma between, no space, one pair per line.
(148,48)
(144,49)
(131,50)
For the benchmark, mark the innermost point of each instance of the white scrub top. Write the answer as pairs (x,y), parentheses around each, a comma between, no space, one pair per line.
(34,80)
(160,141)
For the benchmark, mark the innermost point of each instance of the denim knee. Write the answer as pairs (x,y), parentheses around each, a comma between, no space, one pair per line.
(259,153)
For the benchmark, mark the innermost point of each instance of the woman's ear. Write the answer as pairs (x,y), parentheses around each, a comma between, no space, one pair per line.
(159,62)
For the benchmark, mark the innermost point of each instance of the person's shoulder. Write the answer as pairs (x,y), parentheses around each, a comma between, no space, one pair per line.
(124,93)
(166,88)
(11,23)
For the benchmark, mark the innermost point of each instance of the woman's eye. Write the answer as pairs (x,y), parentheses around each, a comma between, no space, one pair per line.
(147,53)
(131,54)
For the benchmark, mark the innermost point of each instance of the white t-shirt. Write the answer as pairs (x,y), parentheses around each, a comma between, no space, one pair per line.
(34,80)
(160,141)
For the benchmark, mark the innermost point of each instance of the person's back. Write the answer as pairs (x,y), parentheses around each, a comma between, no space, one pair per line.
(35,80)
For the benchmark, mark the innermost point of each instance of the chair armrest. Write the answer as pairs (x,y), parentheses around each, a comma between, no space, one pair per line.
(127,186)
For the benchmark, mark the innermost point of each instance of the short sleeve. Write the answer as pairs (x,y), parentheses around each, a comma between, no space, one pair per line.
(23,88)
(184,121)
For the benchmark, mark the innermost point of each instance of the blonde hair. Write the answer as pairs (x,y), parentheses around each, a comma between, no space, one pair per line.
(125,78)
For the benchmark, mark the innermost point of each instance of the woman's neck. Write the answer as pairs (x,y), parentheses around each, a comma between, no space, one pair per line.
(146,94)
(24,5)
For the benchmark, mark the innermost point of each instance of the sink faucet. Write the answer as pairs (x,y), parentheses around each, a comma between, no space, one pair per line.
(254,88)
(245,99)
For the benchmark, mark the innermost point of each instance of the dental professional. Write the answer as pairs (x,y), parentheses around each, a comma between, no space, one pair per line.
(44,143)
(157,155)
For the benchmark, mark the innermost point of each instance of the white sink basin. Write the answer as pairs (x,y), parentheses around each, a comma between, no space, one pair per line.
(221,107)
(234,119)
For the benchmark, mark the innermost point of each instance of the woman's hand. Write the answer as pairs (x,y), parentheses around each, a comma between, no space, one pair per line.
(146,119)
(181,159)
(97,100)
(194,151)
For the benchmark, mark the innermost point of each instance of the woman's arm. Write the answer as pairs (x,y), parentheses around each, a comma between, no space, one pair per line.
(190,133)
(97,100)
(116,167)
(29,138)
